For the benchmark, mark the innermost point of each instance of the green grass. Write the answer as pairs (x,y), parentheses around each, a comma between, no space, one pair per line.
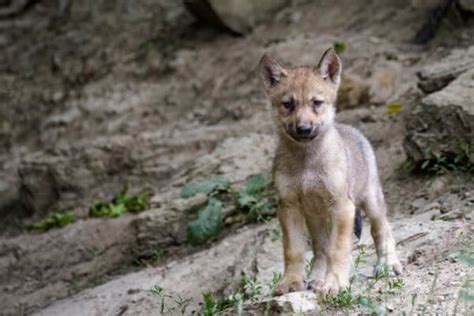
(56,220)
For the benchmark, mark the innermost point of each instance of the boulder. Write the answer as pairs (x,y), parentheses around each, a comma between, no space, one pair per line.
(467,5)
(443,124)
(296,303)
(236,16)
(353,92)
(435,76)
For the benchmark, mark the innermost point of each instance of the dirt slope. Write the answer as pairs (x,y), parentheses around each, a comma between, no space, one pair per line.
(142,95)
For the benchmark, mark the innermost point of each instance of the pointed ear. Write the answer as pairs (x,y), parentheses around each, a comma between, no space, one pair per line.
(271,71)
(330,66)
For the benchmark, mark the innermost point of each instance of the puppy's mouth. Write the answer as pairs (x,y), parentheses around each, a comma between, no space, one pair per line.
(305,138)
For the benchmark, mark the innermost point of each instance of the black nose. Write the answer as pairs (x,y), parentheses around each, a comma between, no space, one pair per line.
(304,129)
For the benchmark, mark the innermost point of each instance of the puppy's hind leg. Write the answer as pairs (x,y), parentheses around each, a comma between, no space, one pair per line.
(376,210)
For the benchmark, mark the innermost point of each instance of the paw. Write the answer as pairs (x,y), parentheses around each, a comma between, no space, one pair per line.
(288,285)
(387,266)
(312,284)
(332,283)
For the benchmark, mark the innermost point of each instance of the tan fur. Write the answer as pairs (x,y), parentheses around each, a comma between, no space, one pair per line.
(321,177)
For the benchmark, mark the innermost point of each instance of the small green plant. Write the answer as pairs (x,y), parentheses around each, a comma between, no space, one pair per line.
(53,221)
(340,47)
(345,299)
(120,204)
(309,264)
(393,108)
(438,163)
(254,199)
(208,224)
(251,288)
(246,289)
(466,292)
(276,278)
(170,303)
(360,256)
(211,306)
(208,187)
(395,284)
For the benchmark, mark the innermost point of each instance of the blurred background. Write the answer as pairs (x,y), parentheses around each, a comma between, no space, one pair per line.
(136,146)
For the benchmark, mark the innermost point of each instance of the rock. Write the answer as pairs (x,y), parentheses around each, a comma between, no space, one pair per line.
(256,251)
(73,173)
(236,16)
(436,76)
(188,277)
(237,158)
(189,205)
(383,84)
(36,267)
(157,229)
(467,5)
(295,303)
(443,123)
(354,92)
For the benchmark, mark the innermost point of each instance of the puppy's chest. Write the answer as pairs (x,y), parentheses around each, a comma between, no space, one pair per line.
(302,183)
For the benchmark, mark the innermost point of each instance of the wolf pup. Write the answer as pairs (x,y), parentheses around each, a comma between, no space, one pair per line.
(323,171)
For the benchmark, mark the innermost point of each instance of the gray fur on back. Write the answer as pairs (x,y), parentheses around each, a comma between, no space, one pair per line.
(360,156)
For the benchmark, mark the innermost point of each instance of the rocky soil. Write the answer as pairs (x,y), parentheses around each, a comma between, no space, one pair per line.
(105,95)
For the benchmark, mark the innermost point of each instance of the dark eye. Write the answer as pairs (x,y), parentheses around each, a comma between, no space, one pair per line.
(317,103)
(289,105)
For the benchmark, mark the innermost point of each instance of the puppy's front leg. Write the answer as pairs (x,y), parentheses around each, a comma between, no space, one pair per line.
(342,214)
(320,239)
(293,226)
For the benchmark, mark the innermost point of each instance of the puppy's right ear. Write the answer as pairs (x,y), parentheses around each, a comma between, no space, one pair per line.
(271,71)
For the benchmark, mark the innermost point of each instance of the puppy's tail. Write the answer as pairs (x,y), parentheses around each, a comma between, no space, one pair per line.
(358,223)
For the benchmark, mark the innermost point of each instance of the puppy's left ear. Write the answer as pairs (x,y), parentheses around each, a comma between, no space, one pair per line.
(330,66)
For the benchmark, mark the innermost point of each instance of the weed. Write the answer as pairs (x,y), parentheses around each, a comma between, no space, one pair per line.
(340,47)
(120,204)
(208,187)
(170,303)
(393,108)
(439,163)
(251,288)
(309,264)
(395,284)
(53,221)
(360,256)
(255,200)
(211,306)
(276,278)
(208,224)
(345,299)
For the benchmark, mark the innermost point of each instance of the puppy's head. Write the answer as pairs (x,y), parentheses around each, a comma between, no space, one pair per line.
(302,97)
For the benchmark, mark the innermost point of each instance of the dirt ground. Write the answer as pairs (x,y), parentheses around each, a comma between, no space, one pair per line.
(118,93)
